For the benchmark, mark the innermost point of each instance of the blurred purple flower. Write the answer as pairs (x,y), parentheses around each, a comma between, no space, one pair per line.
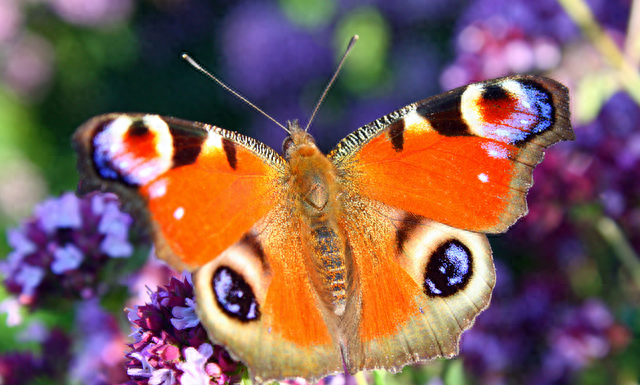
(93,12)
(27,65)
(494,48)
(545,17)
(98,355)
(266,55)
(61,250)
(152,274)
(171,347)
(502,37)
(176,24)
(11,19)
(22,368)
(11,306)
(532,336)
(415,11)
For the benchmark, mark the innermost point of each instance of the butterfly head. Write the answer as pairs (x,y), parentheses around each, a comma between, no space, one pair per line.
(299,142)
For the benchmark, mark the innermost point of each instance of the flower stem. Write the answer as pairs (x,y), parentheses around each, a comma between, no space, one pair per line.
(581,14)
(614,236)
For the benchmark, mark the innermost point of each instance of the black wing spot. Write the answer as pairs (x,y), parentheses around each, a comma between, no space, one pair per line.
(138,128)
(407,226)
(252,242)
(444,113)
(396,135)
(187,145)
(234,295)
(449,269)
(494,92)
(230,151)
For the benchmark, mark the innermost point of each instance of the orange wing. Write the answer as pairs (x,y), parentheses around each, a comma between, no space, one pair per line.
(199,187)
(463,158)
(287,332)
(420,285)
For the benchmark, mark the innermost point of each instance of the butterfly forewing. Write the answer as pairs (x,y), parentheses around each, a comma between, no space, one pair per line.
(198,187)
(463,158)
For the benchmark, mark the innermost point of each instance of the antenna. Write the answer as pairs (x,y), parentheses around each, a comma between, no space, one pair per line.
(352,42)
(197,66)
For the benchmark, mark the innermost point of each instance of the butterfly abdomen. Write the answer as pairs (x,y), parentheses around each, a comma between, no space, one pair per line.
(328,254)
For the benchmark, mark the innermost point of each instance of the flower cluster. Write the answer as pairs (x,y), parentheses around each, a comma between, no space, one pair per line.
(533,336)
(171,346)
(61,251)
(28,57)
(502,37)
(99,344)
(18,368)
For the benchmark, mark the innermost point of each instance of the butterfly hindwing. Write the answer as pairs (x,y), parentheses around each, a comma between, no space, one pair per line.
(463,158)
(198,187)
(421,285)
(257,299)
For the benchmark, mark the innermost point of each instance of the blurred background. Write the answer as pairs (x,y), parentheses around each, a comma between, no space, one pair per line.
(566,306)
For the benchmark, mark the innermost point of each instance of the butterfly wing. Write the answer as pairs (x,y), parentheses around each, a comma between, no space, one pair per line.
(463,158)
(285,331)
(216,202)
(421,284)
(198,187)
(420,184)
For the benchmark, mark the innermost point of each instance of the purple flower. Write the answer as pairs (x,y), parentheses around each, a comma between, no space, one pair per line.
(22,368)
(193,367)
(185,317)
(11,19)
(92,12)
(530,335)
(171,346)
(28,65)
(490,49)
(61,250)
(11,306)
(98,355)
(253,32)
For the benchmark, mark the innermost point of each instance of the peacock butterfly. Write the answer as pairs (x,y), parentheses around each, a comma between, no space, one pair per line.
(372,256)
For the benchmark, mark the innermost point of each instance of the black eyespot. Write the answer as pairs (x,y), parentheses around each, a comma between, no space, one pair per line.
(494,92)
(448,270)
(234,296)
(138,128)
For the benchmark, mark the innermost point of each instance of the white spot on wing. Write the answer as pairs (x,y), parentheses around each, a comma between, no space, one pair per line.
(158,189)
(495,150)
(119,126)
(414,121)
(470,110)
(179,213)
(513,86)
(213,142)
(484,178)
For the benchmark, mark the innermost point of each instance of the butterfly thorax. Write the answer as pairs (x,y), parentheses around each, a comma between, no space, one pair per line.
(316,194)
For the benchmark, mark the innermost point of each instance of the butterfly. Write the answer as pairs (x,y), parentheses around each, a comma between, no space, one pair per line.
(371,257)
